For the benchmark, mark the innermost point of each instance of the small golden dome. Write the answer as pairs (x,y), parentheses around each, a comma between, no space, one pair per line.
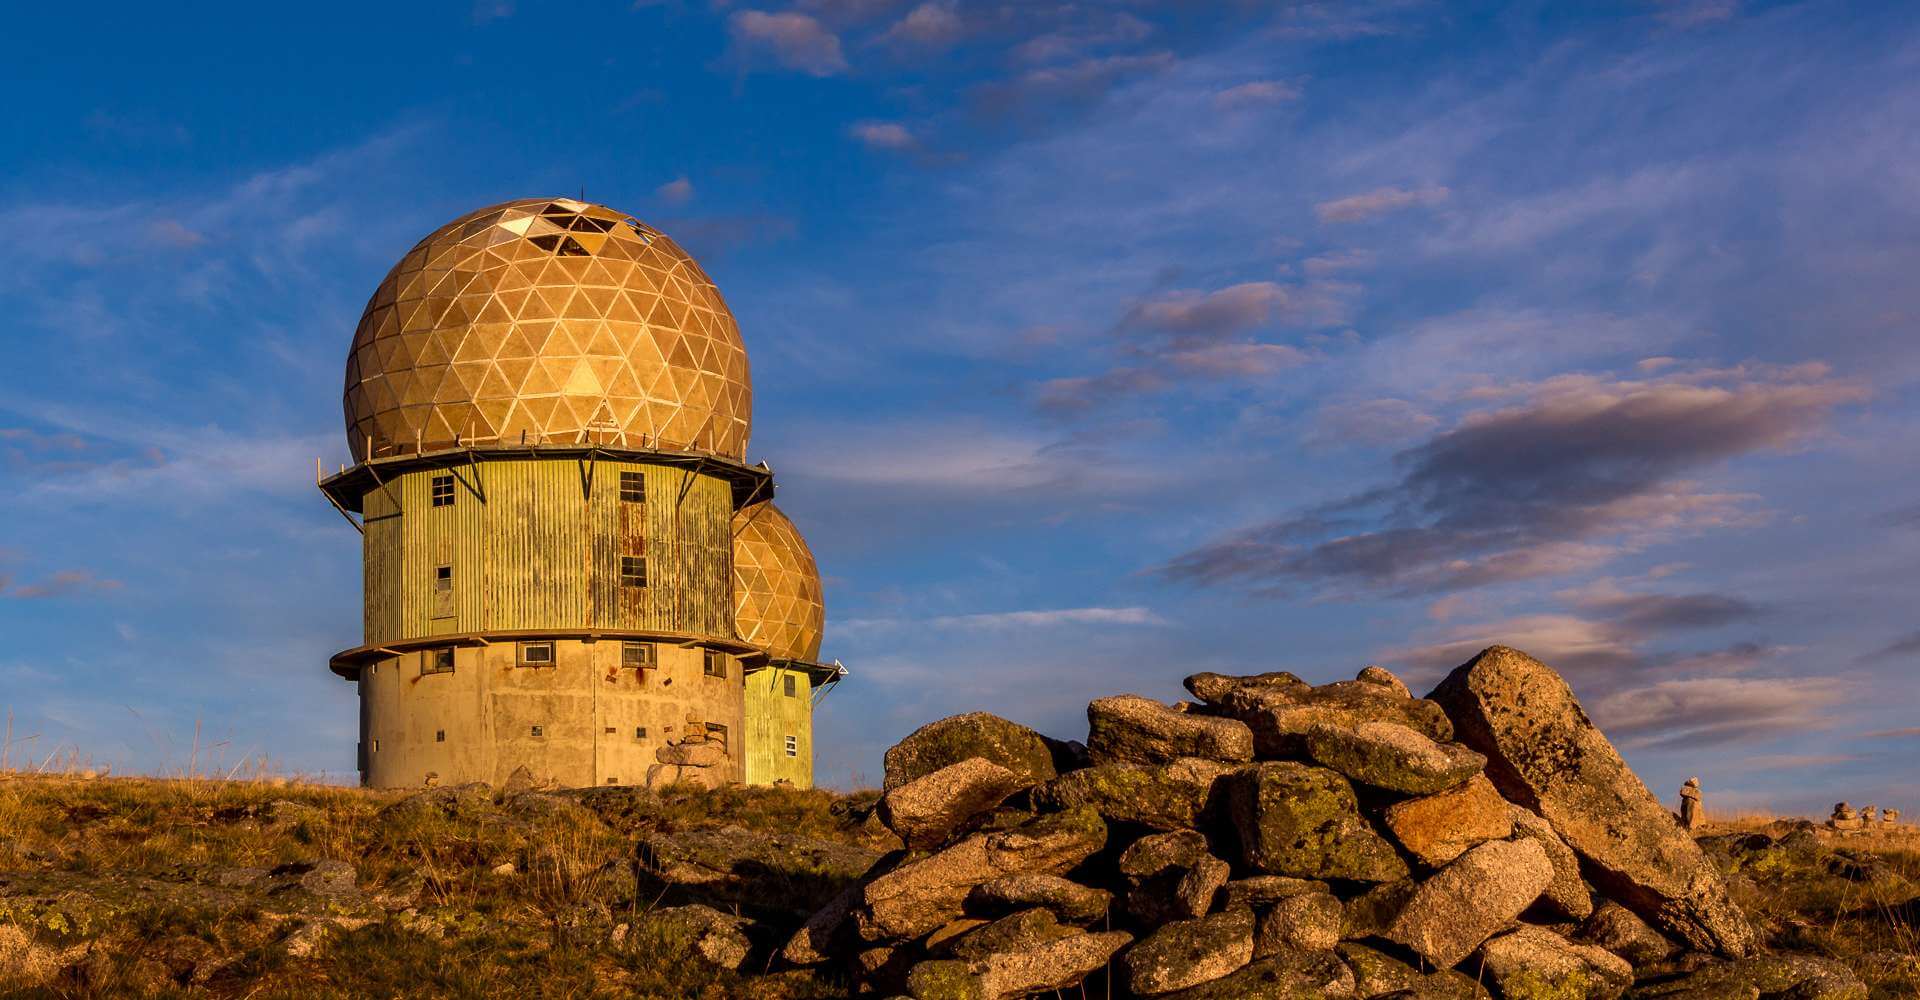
(777,602)
(547,321)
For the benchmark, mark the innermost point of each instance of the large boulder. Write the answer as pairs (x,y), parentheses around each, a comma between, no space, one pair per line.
(929,810)
(1013,932)
(1172,796)
(1392,756)
(1043,967)
(1377,973)
(1170,876)
(1129,728)
(1544,753)
(1068,900)
(1462,905)
(1189,952)
(1262,891)
(1799,977)
(1568,896)
(1289,975)
(921,895)
(1306,922)
(1280,709)
(976,734)
(1618,930)
(1296,819)
(1440,827)
(1533,963)
(1372,912)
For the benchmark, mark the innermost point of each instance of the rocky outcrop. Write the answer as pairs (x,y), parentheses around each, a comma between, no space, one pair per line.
(977,734)
(1130,729)
(928,810)
(1545,754)
(1359,853)
(714,936)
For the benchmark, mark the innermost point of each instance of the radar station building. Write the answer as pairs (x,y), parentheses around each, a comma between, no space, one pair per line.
(570,568)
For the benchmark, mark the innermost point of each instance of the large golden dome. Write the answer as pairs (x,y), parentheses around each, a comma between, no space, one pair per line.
(777,601)
(550,321)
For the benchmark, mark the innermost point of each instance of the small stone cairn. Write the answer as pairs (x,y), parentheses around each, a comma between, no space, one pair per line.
(693,759)
(1691,815)
(1845,820)
(1278,839)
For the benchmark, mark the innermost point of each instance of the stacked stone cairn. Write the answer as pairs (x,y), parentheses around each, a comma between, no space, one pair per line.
(693,759)
(1277,839)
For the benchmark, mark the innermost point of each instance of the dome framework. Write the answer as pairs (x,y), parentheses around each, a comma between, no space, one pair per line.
(778,602)
(547,321)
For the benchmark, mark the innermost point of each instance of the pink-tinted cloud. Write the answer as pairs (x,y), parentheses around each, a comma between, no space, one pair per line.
(891,136)
(1254,94)
(1378,202)
(795,41)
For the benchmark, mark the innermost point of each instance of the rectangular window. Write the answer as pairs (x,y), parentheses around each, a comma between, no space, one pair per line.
(539,732)
(613,781)
(636,655)
(441,489)
(443,592)
(633,487)
(717,733)
(793,689)
(633,571)
(439,736)
(716,663)
(793,746)
(376,746)
(535,654)
(639,732)
(437,661)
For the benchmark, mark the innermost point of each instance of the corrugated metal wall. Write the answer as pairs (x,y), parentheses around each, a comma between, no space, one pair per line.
(772,716)
(544,551)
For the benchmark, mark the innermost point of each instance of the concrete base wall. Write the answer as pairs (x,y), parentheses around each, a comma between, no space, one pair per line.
(586,720)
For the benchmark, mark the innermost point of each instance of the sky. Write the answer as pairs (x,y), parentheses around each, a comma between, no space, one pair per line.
(1093,344)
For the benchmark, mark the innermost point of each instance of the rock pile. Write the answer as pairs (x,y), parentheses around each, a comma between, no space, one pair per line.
(692,759)
(1277,839)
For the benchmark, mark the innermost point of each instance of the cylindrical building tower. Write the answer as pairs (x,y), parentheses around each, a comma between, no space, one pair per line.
(548,404)
(778,607)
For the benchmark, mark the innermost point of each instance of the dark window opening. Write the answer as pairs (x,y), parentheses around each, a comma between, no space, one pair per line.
(539,732)
(441,490)
(639,732)
(793,746)
(376,746)
(611,730)
(633,571)
(437,661)
(613,781)
(633,487)
(439,736)
(793,690)
(716,663)
(636,655)
(536,654)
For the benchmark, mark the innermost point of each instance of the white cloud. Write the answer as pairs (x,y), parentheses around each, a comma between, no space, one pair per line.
(1378,202)
(794,40)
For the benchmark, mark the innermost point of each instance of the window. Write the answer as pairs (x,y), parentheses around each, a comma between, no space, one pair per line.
(633,487)
(793,689)
(633,571)
(613,781)
(376,746)
(610,730)
(443,592)
(636,655)
(716,663)
(441,489)
(793,746)
(439,736)
(539,732)
(437,661)
(639,732)
(535,654)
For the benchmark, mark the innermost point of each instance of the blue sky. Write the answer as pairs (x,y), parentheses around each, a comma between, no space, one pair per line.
(1093,344)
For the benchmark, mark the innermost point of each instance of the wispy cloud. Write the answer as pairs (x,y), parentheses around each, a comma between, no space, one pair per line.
(1130,617)
(63,583)
(793,40)
(1254,94)
(1378,202)
(883,135)
(678,191)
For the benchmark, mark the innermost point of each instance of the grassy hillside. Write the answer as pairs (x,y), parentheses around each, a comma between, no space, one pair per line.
(132,887)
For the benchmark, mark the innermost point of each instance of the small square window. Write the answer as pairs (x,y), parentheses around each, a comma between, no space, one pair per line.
(633,487)
(443,578)
(633,571)
(611,730)
(793,746)
(437,661)
(636,655)
(716,663)
(793,689)
(539,732)
(536,654)
(441,489)
(439,736)
(639,732)
(613,781)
